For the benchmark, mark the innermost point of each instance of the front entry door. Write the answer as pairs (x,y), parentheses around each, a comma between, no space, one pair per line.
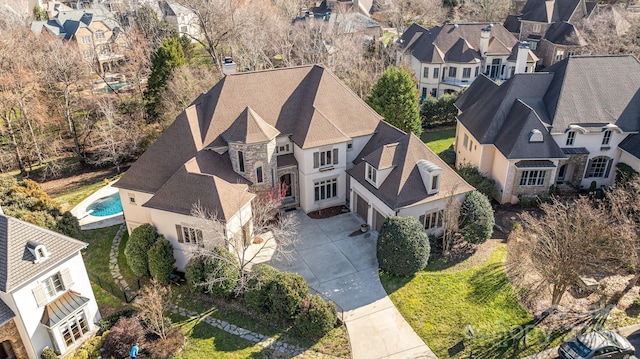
(285,182)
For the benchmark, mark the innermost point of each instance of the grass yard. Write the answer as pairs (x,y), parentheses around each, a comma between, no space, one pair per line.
(440,305)
(439,140)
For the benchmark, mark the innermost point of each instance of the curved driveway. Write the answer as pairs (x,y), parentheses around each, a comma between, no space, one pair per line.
(342,266)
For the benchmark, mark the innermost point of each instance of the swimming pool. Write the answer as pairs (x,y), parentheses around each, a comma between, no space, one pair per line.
(105,206)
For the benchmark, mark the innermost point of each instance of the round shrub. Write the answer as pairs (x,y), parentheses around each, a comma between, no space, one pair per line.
(125,333)
(448,156)
(256,295)
(316,317)
(403,246)
(48,353)
(286,292)
(194,274)
(68,225)
(138,245)
(161,260)
(476,218)
(221,273)
(474,177)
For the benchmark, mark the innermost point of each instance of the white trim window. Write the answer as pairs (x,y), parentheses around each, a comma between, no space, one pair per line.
(325,158)
(533,178)
(599,167)
(51,286)
(372,174)
(99,35)
(432,220)
(74,329)
(325,189)
(85,39)
(606,137)
(189,235)
(571,138)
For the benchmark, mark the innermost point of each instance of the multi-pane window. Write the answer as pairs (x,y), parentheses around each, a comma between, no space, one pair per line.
(325,158)
(189,235)
(53,285)
(606,138)
(452,71)
(466,73)
(99,34)
(465,141)
(435,182)
(571,138)
(85,39)
(559,55)
(74,329)
(532,178)
(425,72)
(372,174)
(325,189)
(87,54)
(598,167)
(283,148)
(432,220)
(436,73)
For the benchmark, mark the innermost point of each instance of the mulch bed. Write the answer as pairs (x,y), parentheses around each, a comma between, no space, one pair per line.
(328,212)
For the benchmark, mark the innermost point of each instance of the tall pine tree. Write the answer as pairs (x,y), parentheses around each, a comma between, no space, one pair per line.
(168,57)
(395,97)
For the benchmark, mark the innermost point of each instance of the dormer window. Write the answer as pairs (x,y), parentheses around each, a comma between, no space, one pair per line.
(435,182)
(38,250)
(430,174)
(372,174)
(535,136)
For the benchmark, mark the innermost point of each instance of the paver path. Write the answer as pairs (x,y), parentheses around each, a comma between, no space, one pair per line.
(343,267)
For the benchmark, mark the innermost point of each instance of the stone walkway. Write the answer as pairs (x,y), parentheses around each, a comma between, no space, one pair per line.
(261,339)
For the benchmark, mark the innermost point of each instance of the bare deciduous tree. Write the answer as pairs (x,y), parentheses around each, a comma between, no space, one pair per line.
(151,304)
(486,10)
(186,84)
(270,233)
(609,31)
(401,13)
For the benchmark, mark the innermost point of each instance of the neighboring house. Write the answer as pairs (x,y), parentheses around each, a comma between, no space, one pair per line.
(96,33)
(568,126)
(448,58)
(183,19)
(46,298)
(550,27)
(299,127)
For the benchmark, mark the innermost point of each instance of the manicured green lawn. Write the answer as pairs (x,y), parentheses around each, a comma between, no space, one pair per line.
(96,255)
(440,305)
(205,341)
(439,141)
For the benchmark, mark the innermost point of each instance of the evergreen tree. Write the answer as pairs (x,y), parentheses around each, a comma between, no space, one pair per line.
(395,97)
(167,58)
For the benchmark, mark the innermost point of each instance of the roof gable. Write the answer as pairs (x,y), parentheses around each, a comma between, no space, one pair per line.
(17,262)
(249,127)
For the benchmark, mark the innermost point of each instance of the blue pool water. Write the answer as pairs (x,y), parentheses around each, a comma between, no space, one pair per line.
(106,206)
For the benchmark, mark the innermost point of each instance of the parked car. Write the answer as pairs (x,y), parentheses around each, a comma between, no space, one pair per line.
(602,344)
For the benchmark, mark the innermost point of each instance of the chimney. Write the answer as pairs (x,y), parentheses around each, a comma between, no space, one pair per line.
(485,35)
(522,56)
(228,66)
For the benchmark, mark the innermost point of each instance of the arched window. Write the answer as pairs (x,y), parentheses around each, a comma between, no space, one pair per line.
(599,167)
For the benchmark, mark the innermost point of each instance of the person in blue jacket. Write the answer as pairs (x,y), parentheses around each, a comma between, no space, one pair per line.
(133,354)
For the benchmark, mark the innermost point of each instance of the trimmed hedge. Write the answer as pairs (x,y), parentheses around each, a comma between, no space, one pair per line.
(476,218)
(138,245)
(316,317)
(161,260)
(286,292)
(221,273)
(403,246)
(449,156)
(256,295)
(48,353)
(481,183)
(194,274)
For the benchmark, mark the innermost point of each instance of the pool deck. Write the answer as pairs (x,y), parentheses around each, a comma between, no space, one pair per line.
(87,221)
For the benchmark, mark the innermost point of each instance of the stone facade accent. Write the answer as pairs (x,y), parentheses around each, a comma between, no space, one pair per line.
(528,191)
(295,189)
(253,154)
(576,165)
(9,332)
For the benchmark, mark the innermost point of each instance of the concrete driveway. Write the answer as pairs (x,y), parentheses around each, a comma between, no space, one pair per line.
(342,266)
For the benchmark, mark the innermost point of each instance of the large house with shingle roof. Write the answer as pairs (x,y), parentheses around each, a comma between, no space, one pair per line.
(568,126)
(549,27)
(448,58)
(299,128)
(46,299)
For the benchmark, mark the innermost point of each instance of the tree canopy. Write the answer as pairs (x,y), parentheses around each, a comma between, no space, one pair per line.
(395,97)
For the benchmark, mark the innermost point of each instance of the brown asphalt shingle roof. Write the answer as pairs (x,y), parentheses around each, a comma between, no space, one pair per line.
(16,261)
(404,186)
(249,127)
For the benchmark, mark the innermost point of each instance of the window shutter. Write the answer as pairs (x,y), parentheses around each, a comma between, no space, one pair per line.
(335,156)
(40,295)
(606,173)
(316,160)
(586,175)
(179,232)
(65,277)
